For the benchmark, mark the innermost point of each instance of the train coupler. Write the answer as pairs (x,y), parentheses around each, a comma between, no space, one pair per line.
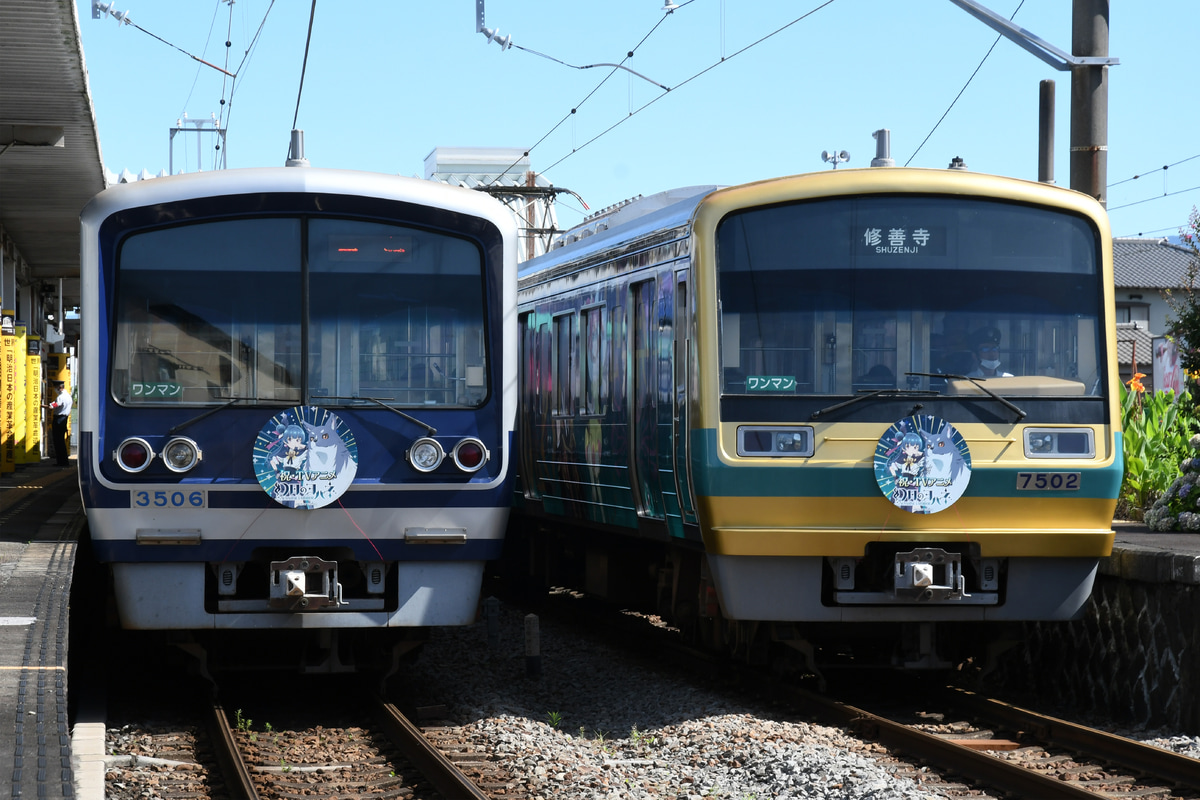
(930,573)
(304,583)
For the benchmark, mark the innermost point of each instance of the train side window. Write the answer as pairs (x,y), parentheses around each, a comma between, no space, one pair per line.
(614,368)
(592,361)
(564,364)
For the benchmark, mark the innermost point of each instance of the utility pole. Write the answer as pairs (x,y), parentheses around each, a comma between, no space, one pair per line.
(1089,100)
(1088,64)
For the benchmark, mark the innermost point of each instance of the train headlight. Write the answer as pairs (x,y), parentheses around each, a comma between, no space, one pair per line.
(426,455)
(788,442)
(470,455)
(181,454)
(133,454)
(1060,443)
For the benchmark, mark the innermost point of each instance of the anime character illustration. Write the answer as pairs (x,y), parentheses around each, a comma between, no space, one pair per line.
(908,459)
(326,450)
(922,464)
(287,453)
(305,457)
(943,459)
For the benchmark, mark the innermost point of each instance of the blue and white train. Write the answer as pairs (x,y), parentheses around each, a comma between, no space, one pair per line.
(298,398)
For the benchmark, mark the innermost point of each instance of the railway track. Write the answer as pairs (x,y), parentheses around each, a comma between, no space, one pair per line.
(978,745)
(985,744)
(390,758)
(309,739)
(366,747)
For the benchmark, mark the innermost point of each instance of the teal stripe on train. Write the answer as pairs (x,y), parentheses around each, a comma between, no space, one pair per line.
(712,478)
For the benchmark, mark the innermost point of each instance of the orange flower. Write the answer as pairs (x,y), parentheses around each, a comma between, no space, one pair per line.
(1135,383)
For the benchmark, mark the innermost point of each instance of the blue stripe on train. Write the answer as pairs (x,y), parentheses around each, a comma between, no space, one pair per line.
(224,550)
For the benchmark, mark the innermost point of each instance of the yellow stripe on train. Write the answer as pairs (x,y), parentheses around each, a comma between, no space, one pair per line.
(769,526)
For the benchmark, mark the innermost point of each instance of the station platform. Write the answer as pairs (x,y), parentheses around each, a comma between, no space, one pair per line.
(1153,557)
(41,516)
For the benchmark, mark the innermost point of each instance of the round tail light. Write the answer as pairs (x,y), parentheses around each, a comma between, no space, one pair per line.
(470,455)
(133,455)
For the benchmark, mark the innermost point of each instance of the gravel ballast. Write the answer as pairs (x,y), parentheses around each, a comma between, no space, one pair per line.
(598,725)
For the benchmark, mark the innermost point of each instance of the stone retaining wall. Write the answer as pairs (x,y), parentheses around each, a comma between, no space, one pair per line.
(1134,657)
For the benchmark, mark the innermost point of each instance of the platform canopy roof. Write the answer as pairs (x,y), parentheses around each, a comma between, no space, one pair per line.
(50,163)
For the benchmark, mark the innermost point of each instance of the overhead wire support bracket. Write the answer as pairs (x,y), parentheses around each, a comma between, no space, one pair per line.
(100,9)
(505,42)
(1055,57)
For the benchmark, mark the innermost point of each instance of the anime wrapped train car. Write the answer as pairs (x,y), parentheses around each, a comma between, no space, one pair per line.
(874,406)
(299,402)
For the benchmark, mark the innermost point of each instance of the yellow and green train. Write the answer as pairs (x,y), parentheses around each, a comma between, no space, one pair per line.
(875,404)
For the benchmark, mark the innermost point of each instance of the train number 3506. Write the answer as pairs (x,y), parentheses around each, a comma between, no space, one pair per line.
(168,499)
(1048,481)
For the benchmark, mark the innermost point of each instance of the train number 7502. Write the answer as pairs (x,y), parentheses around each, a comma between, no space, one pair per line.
(1048,481)
(177,498)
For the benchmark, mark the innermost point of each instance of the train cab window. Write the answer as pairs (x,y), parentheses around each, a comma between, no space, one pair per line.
(874,356)
(182,337)
(845,295)
(367,310)
(395,313)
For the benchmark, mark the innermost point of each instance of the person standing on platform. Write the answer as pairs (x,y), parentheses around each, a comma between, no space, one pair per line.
(62,413)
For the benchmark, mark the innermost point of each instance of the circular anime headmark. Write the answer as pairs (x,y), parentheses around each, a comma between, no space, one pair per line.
(922,464)
(305,457)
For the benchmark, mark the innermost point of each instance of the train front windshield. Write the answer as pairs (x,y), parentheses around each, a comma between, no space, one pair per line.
(292,309)
(834,297)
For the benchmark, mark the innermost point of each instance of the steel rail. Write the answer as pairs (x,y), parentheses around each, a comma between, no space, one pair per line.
(1147,759)
(946,754)
(448,779)
(229,757)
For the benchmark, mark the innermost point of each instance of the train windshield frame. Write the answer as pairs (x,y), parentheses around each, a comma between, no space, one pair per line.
(839,296)
(299,308)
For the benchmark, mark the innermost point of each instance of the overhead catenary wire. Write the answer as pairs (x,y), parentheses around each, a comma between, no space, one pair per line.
(1156,197)
(219,158)
(635,112)
(953,102)
(304,66)
(724,59)
(195,80)
(592,66)
(590,94)
(128,21)
(1163,168)
(700,73)
(230,81)
(1165,194)
(227,85)
(227,109)
(685,82)
(1141,234)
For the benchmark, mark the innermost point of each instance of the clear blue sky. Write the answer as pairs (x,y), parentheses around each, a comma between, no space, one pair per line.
(389,80)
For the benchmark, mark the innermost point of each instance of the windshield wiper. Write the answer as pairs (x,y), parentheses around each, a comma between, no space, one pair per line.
(1007,403)
(203,415)
(432,430)
(868,395)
